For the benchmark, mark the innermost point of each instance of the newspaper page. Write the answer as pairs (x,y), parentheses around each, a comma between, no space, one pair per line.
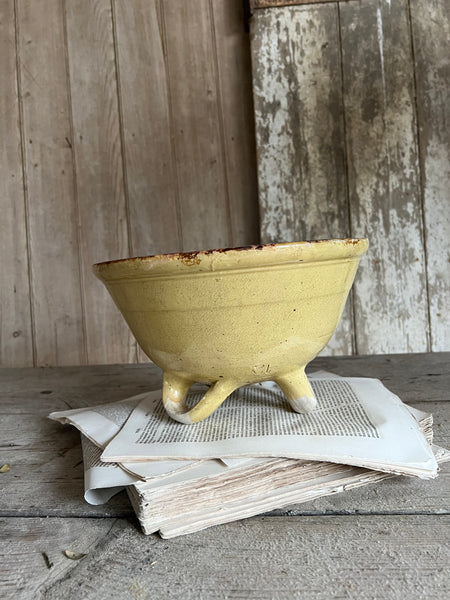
(99,424)
(357,421)
(102,480)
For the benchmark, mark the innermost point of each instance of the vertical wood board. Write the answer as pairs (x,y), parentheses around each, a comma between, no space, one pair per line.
(16,344)
(300,131)
(99,172)
(148,150)
(236,108)
(391,312)
(199,144)
(430,21)
(48,166)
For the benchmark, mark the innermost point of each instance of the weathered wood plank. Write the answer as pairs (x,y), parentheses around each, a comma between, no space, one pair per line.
(16,344)
(391,313)
(52,456)
(51,199)
(25,542)
(294,558)
(99,173)
(300,131)
(233,72)
(145,104)
(199,143)
(46,476)
(414,377)
(431,34)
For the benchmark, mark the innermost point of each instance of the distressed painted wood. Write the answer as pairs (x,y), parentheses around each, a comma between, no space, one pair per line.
(233,68)
(300,131)
(431,34)
(46,476)
(400,202)
(196,114)
(390,294)
(99,172)
(16,344)
(48,165)
(293,558)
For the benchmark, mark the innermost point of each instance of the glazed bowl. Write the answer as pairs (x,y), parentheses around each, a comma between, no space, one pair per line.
(234,316)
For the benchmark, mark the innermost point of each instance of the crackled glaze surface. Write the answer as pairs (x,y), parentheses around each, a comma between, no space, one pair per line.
(232,317)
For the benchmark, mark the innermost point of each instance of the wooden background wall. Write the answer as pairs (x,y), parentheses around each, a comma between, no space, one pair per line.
(352,112)
(126,128)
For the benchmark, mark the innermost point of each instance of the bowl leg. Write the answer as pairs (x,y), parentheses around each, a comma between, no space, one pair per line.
(174,393)
(296,388)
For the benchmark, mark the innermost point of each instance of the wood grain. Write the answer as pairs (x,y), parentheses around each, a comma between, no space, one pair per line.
(100,185)
(300,131)
(263,558)
(399,546)
(431,34)
(16,343)
(234,83)
(23,543)
(198,140)
(49,173)
(145,104)
(390,294)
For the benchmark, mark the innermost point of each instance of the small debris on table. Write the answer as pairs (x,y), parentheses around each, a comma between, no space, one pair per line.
(73,555)
(47,561)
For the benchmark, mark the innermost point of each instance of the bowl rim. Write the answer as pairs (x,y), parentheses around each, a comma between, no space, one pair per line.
(258,255)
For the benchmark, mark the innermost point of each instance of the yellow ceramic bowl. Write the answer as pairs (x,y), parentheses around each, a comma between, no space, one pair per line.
(236,316)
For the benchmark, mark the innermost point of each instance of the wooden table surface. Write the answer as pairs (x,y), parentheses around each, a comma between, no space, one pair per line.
(391,540)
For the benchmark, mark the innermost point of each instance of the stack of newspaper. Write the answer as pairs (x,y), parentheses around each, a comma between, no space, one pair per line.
(253,455)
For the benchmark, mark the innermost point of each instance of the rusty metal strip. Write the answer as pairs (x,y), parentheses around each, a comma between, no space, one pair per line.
(256,4)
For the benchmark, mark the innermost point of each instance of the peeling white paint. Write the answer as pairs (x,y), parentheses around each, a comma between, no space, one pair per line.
(391,312)
(381,49)
(301,169)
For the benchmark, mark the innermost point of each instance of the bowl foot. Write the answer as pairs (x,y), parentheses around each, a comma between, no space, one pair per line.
(174,393)
(297,390)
